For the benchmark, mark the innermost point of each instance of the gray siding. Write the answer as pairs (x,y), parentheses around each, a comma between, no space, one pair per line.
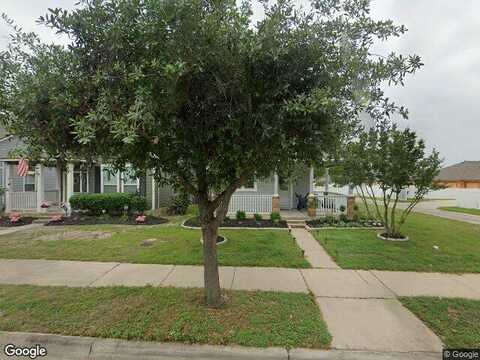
(164,194)
(264,187)
(148,190)
(16,182)
(8,145)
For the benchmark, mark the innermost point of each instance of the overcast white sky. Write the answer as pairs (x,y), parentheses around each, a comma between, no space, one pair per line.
(443,97)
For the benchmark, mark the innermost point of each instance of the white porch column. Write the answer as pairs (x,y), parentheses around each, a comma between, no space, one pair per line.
(312,181)
(58,172)
(7,187)
(119,182)
(69,184)
(40,187)
(154,192)
(275,181)
(327,179)
(101,178)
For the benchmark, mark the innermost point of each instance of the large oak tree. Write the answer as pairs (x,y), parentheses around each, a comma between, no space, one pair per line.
(198,92)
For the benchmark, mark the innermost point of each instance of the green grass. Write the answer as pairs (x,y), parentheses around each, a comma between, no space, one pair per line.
(461,210)
(173,245)
(458,242)
(165,314)
(455,321)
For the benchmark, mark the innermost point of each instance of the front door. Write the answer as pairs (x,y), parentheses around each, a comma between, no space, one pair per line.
(285,193)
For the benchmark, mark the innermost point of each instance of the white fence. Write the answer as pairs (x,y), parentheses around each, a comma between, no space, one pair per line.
(251,204)
(331,203)
(21,200)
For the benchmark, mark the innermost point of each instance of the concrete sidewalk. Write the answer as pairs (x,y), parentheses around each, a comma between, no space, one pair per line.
(333,283)
(85,348)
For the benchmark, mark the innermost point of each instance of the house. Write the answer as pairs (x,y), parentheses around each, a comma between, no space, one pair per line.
(44,184)
(464,175)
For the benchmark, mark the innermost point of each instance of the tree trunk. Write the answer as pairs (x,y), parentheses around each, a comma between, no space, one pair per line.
(210,265)
(211,278)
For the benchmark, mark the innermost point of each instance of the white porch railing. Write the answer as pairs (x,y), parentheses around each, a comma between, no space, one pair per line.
(21,201)
(331,203)
(251,204)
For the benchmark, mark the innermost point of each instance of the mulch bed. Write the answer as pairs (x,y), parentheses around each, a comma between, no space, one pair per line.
(5,221)
(321,223)
(247,223)
(81,219)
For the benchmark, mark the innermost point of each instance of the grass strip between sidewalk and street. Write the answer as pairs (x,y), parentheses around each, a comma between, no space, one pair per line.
(259,319)
(455,321)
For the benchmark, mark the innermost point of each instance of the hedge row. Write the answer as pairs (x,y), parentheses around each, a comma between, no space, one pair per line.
(111,203)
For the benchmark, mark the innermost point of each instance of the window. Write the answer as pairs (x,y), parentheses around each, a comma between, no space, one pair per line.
(250,185)
(130,181)
(29,182)
(109,176)
(80,180)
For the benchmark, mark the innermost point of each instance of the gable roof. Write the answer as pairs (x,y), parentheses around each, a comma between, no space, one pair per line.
(466,170)
(7,144)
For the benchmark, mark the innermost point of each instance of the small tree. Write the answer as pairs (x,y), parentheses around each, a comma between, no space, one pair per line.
(393,160)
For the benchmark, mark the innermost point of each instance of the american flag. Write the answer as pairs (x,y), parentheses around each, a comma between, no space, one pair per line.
(22,168)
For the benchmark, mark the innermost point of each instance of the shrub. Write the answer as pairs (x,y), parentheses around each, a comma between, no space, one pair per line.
(330,219)
(179,204)
(343,217)
(240,215)
(111,203)
(275,217)
(257,217)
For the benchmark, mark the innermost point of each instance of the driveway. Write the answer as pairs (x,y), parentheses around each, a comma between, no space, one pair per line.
(431,208)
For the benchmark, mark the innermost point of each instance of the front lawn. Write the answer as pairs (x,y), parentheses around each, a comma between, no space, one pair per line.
(455,321)
(258,319)
(458,247)
(165,244)
(461,210)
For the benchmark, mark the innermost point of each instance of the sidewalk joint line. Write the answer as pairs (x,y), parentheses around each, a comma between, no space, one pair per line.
(167,276)
(104,274)
(381,282)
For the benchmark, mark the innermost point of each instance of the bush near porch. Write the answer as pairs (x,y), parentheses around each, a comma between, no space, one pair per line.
(436,245)
(111,203)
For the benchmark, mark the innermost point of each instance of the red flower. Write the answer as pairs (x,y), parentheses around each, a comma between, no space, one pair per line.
(15,217)
(56,218)
(141,219)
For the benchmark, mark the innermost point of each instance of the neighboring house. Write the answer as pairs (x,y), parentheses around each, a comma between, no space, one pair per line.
(465,175)
(51,185)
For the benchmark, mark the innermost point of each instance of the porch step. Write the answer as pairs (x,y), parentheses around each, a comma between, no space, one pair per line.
(296,223)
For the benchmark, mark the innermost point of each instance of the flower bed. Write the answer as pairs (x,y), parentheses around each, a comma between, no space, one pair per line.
(344,223)
(6,221)
(245,223)
(82,219)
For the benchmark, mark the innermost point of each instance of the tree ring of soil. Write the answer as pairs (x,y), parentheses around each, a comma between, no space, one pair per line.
(220,239)
(384,237)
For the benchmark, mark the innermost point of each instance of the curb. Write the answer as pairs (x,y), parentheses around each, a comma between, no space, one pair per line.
(60,347)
